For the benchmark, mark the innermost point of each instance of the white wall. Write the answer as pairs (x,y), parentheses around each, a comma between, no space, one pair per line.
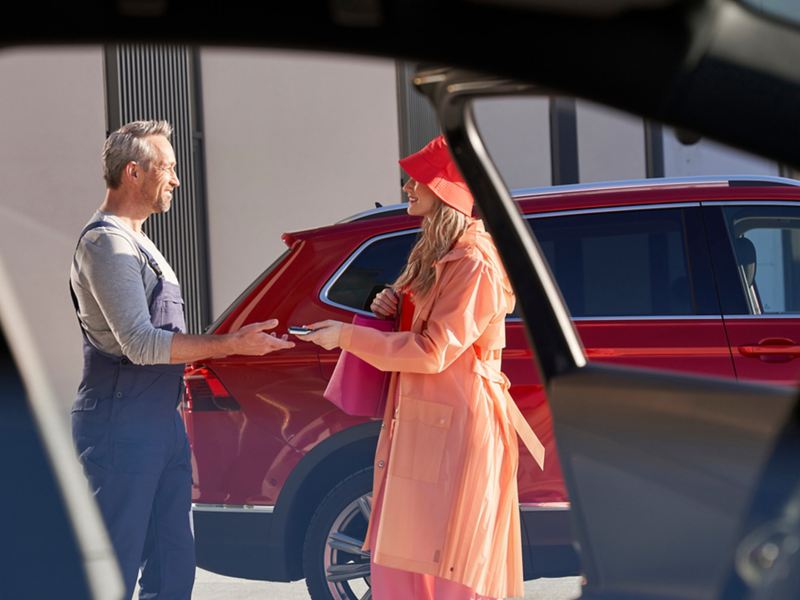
(516,132)
(52,119)
(293,141)
(610,144)
(707,157)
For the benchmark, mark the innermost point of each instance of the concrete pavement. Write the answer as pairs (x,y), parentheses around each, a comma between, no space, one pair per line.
(210,586)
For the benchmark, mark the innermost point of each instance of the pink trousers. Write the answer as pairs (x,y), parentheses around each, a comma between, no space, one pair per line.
(395,584)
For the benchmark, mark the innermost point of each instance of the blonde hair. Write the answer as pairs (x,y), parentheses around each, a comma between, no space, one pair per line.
(440,231)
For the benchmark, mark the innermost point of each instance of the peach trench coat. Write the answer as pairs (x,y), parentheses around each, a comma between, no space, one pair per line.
(447,453)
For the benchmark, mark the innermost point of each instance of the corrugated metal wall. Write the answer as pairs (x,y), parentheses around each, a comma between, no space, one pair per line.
(162,82)
(417,122)
(563,141)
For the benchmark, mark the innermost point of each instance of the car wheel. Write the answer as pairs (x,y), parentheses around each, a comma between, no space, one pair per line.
(333,563)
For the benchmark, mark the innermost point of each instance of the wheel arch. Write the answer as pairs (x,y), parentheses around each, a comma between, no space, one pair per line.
(314,476)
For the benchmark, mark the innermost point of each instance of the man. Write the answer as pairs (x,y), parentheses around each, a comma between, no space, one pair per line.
(128,433)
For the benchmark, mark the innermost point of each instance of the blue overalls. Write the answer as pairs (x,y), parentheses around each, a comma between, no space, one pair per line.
(135,452)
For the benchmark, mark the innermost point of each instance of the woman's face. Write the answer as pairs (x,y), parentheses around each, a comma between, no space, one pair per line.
(421,200)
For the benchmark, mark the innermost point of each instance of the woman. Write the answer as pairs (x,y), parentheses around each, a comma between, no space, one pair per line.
(445,519)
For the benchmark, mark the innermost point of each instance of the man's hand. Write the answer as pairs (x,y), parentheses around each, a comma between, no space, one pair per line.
(385,304)
(251,340)
(325,334)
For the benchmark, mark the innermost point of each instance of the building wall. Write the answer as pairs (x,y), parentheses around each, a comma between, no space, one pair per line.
(293,141)
(52,118)
(707,157)
(610,144)
(516,132)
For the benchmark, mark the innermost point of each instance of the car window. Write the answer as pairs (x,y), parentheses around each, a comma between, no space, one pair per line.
(628,263)
(766,243)
(373,266)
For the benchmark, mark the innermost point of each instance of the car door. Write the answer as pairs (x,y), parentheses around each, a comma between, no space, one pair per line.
(756,249)
(637,281)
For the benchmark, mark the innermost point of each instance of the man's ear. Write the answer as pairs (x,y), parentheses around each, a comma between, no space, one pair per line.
(132,170)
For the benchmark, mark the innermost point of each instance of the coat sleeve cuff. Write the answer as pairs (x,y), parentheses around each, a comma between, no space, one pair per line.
(346,336)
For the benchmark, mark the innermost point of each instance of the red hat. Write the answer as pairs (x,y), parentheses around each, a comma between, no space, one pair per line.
(434,166)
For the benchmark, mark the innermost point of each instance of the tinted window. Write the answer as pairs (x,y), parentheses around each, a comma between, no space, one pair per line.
(630,263)
(766,243)
(378,265)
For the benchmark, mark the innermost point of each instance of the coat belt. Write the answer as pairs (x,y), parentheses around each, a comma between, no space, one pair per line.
(515,416)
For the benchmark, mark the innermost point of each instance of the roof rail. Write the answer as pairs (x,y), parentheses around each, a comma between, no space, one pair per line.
(375,212)
(730,180)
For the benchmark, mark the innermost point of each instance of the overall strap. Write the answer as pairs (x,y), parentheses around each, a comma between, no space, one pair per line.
(149,257)
(150,261)
(85,230)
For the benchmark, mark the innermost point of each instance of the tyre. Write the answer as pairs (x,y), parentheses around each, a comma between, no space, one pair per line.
(333,563)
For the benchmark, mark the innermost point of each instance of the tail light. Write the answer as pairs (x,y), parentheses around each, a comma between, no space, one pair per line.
(205,392)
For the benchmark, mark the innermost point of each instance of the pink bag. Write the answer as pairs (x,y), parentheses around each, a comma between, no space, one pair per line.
(356,387)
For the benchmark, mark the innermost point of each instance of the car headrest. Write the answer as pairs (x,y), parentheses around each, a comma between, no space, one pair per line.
(746,256)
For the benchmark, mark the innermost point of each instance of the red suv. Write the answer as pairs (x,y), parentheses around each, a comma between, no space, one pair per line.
(696,275)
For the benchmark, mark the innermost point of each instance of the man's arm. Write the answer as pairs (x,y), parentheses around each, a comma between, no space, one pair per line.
(110,271)
(250,340)
(113,272)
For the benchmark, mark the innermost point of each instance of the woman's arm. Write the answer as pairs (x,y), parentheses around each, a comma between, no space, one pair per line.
(468,299)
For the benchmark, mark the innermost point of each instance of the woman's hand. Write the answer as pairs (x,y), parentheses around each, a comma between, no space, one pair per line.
(325,334)
(385,304)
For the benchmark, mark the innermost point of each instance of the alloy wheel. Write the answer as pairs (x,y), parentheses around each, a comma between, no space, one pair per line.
(346,565)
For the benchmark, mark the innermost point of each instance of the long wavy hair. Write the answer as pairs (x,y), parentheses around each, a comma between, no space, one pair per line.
(440,231)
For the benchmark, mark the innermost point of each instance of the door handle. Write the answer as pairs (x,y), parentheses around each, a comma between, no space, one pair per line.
(772,348)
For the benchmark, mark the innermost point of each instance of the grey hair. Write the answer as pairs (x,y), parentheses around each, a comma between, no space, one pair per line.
(129,143)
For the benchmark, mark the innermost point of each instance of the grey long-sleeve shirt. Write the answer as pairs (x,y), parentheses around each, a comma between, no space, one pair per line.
(113,284)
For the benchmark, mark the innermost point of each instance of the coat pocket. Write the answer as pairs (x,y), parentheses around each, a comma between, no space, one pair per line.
(420,439)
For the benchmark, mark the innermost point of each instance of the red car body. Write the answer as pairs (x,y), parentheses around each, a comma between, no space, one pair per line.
(267,447)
